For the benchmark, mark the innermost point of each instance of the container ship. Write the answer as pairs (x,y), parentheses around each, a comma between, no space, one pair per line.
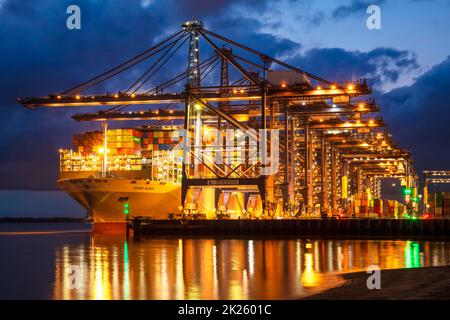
(118,173)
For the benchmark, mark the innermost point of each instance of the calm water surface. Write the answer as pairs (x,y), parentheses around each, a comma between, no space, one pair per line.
(42,265)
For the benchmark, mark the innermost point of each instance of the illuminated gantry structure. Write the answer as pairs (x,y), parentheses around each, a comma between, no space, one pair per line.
(254,125)
(434,177)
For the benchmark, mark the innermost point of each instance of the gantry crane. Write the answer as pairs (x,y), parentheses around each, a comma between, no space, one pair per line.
(324,126)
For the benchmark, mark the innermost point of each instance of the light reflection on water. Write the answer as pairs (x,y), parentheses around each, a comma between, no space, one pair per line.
(114,268)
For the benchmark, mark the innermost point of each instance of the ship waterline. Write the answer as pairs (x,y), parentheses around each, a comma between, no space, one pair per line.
(104,198)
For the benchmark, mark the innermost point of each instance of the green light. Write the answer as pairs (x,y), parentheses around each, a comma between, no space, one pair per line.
(126,271)
(407,250)
(414,199)
(412,255)
(126,209)
(407,191)
(416,255)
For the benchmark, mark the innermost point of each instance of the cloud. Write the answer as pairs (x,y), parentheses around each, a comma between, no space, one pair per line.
(231,27)
(419,114)
(355,6)
(379,65)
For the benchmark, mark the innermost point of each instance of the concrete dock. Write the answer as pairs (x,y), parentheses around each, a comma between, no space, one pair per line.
(344,228)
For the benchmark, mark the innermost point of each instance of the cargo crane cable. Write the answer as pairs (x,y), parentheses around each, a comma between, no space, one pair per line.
(89,85)
(250,62)
(146,73)
(186,75)
(180,77)
(156,52)
(153,65)
(238,82)
(211,68)
(231,60)
(206,63)
(266,57)
(122,67)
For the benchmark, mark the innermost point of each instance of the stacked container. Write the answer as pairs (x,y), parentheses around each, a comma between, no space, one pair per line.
(78,161)
(124,141)
(88,142)
(378,207)
(361,204)
(446,204)
(440,205)
(392,209)
(128,149)
(161,140)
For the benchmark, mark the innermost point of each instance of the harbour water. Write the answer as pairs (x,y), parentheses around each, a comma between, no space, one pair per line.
(41,261)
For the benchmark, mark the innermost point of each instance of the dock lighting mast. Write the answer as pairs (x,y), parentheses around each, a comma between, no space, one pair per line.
(192,27)
(193,81)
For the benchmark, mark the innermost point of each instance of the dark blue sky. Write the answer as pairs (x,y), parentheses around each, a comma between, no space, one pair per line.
(407,61)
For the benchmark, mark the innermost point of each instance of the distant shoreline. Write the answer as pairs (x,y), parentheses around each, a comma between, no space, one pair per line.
(41,220)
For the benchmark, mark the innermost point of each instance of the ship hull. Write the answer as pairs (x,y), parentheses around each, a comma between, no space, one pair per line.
(104,199)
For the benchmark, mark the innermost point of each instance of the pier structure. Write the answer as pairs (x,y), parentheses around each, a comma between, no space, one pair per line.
(272,139)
